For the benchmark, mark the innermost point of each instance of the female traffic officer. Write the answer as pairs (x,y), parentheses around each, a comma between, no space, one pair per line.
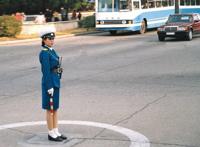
(51,74)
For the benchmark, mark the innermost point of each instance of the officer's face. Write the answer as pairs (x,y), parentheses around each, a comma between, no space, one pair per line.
(49,42)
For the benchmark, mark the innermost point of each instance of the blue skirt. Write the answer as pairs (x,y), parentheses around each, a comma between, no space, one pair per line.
(46,98)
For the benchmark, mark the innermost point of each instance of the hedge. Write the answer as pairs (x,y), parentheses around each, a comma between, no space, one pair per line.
(87,22)
(9,26)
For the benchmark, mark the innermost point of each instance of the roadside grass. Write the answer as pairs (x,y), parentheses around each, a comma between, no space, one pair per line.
(32,36)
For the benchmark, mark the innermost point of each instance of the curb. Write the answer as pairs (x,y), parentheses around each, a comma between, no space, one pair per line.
(88,33)
(38,39)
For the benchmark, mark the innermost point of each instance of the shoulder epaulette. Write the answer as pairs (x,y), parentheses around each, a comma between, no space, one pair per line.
(45,49)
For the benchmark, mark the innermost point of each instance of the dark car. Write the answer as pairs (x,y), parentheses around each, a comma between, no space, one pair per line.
(180,26)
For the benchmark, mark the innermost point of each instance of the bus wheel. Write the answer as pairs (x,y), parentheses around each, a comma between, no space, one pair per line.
(143,27)
(113,32)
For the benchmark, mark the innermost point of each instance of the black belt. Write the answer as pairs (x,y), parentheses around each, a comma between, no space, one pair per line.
(58,70)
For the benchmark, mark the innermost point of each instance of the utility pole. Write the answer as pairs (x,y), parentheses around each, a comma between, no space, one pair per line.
(177,2)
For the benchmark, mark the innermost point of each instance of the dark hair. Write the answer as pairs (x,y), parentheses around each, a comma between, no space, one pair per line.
(43,43)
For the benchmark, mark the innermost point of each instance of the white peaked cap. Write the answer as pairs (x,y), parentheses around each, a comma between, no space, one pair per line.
(47,30)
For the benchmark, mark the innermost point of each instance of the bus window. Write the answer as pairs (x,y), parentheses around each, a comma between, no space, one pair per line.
(130,5)
(151,4)
(182,2)
(193,2)
(197,2)
(171,2)
(125,5)
(187,2)
(164,3)
(144,4)
(158,4)
(116,5)
(105,6)
(135,4)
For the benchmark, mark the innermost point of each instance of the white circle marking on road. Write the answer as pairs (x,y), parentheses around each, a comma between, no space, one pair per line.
(136,139)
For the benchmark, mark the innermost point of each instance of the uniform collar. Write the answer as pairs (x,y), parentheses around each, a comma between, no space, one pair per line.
(49,48)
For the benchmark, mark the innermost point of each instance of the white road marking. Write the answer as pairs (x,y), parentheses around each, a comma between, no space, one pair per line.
(136,139)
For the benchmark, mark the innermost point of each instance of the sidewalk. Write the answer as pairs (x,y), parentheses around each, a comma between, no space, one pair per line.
(68,33)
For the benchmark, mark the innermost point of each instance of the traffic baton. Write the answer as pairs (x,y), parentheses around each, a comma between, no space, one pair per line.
(51,104)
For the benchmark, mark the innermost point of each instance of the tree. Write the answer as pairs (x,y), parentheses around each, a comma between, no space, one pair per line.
(36,6)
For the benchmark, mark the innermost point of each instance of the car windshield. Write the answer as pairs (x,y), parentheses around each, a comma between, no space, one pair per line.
(179,18)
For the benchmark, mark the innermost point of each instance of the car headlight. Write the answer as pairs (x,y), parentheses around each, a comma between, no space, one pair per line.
(182,28)
(161,29)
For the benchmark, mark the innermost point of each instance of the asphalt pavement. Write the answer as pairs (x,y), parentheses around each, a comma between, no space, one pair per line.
(127,90)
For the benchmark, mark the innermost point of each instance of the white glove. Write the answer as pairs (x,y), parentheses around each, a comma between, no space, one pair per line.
(50,91)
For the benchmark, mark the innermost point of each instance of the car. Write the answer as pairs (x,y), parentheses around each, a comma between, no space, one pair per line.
(180,26)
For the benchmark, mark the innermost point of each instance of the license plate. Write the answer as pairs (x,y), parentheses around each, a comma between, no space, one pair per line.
(170,33)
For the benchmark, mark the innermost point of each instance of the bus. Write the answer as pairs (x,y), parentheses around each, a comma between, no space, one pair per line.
(138,15)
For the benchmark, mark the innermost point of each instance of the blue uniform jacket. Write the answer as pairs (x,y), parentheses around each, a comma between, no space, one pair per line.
(49,60)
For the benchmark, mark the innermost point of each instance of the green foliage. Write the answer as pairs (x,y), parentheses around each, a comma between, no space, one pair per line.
(87,22)
(36,6)
(77,5)
(9,26)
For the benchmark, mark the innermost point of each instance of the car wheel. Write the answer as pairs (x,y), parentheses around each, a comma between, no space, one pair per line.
(143,27)
(113,32)
(189,35)
(161,38)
